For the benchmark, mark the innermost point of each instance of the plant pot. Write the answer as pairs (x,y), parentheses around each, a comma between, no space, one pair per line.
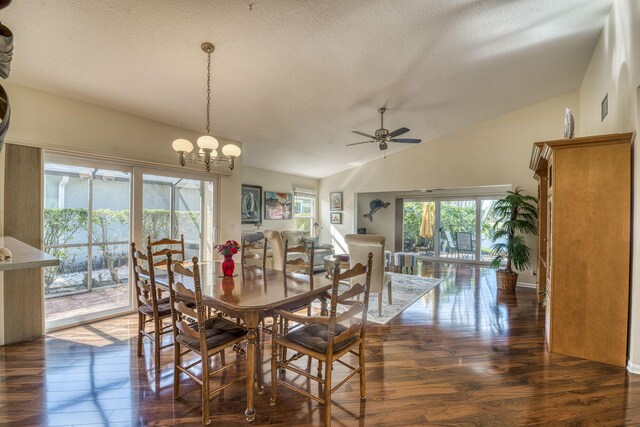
(506,280)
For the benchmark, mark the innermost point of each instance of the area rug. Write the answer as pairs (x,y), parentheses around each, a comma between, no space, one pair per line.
(405,290)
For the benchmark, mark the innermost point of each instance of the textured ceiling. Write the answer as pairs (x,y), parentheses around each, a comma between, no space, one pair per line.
(292,78)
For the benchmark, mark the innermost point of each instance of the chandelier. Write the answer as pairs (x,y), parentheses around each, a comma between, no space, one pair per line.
(207,144)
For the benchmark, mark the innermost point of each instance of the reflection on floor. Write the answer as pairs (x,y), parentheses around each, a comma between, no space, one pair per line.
(462,354)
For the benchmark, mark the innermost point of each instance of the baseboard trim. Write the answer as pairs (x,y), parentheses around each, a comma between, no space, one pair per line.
(633,368)
(526,285)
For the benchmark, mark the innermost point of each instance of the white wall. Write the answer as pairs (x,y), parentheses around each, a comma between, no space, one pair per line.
(494,152)
(278,182)
(45,120)
(615,69)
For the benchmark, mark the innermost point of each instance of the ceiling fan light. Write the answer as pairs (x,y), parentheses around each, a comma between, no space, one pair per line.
(182,145)
(207,142)
(383,145)
(231,150)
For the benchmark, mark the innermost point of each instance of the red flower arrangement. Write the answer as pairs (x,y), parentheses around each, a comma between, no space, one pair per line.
(230,247)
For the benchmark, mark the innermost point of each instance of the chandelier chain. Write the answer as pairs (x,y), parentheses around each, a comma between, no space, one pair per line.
(208,92)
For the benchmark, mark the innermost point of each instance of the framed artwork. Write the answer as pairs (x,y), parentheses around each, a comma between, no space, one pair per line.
(336,217)
(335,201)
(278,205)
(251,208)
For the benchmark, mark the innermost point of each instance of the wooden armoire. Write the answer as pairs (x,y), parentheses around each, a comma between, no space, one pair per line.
(584,241)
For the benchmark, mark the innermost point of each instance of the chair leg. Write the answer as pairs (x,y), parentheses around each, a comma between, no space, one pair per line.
(320,369)
(389,291)
(363,384)
(380,304)
(274,362)
(177,360)
(141,324)
(205,390)
(158,340)
(327,394)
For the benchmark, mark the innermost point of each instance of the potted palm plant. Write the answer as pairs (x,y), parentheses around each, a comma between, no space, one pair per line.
(516,215)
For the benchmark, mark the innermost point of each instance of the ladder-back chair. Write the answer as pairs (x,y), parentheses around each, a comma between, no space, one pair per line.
(196,333)
(167,245)
(151,308)
(326,339)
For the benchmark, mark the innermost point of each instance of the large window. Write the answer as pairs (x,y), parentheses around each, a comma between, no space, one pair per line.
(174,207)
(450,228)
(93,210)
(86,226)
(304,210)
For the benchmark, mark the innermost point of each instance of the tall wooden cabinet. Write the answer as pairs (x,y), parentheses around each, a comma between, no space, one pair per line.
(584,244)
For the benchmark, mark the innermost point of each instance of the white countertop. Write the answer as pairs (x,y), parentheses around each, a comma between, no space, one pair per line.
(24,256)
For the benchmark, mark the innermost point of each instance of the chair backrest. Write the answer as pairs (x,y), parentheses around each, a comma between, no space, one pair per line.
(181,314)
(277,248)
(464,241)
(303,261)
(359,246)
(146,292)
(252,246)
(169,246)
(351,298)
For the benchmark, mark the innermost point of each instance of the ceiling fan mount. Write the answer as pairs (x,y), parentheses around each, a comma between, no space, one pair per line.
(382,136)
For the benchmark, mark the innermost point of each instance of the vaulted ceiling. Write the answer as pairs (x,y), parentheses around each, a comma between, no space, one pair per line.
(292,78)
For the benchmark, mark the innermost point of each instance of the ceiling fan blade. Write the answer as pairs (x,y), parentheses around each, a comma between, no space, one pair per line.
(398,132)
(407,140)
(357,143)
(364,134)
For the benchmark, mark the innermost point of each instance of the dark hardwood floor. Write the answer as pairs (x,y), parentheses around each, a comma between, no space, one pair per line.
(460,355)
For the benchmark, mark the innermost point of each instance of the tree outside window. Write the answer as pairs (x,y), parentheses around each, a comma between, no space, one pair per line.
(304,206)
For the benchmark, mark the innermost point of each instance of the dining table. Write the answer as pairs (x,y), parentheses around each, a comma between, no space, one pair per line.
(251,294)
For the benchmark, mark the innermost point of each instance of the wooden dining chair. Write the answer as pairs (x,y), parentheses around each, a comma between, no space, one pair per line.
(297,260)
(174,245)
(205,337)
(151,309)
(326,339)
(252,248)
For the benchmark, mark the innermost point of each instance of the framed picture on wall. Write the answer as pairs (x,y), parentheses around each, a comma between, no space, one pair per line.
(335,201)
(278,205)
(251,208)
(336,217)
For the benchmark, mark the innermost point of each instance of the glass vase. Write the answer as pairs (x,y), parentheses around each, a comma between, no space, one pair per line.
(228,265)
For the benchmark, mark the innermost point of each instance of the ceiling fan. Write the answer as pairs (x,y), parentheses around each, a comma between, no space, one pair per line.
(382,135)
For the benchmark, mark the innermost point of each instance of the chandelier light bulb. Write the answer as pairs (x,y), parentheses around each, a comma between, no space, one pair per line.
(207,142)
(182,146)
(231,150)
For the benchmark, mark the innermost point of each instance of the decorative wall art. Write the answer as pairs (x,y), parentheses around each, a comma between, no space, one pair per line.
(336,217)
(335,201)
(251,207)
(375,206)
(278,205)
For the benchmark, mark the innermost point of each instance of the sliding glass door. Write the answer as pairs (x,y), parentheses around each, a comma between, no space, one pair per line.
(87,226)
(93,210)
(174,207)
(457,229)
